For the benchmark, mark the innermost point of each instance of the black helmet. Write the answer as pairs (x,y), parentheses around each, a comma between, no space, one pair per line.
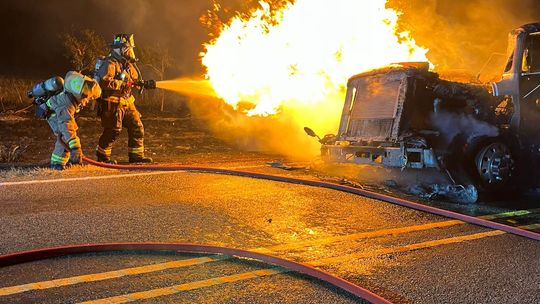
(121,40)
(123,45)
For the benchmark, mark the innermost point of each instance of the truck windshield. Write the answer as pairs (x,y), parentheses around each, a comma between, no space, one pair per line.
(510,53)
(531,54)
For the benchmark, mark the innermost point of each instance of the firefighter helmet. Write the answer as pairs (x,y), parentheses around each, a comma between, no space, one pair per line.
(121,40)
(123,45)
(81,87)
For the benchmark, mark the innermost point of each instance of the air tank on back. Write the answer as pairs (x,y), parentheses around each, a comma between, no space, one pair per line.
(47,87)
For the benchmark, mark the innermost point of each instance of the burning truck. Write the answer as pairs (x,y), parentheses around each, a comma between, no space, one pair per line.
(485,135)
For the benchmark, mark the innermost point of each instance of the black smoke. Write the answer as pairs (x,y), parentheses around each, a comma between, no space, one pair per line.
(463,34)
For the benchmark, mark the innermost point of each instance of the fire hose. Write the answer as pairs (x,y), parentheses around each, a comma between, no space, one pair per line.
(362,192)
(45,253)
(26,256)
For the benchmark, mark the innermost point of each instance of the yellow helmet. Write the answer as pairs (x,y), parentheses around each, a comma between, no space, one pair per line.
(82,87)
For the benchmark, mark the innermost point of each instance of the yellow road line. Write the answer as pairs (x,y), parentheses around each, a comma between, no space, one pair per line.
(416,246)
(411,247)
(509,214)
(158,292)
(189,262)
(176,289)
(383,232)
(361,235)
(109,275)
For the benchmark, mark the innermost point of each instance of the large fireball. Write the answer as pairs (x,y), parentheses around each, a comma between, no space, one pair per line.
(302,56)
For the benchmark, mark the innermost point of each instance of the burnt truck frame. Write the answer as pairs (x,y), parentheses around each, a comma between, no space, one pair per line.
(405,116)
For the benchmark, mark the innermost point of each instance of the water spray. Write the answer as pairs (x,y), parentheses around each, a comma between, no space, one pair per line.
(188,86)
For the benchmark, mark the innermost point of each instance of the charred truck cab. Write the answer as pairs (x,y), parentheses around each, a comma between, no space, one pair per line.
(405,116)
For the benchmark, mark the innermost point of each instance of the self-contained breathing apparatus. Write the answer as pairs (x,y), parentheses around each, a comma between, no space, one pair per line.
(139,84)
(42,91)
(80,87)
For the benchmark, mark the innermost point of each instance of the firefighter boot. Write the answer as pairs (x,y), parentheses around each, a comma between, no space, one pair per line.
(137,158)
(58,167)
(75,158)
(104,159)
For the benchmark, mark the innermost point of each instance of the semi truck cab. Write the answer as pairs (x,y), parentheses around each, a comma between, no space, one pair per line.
(405,116)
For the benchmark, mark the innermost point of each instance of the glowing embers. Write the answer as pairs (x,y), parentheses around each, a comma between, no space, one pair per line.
(302,56)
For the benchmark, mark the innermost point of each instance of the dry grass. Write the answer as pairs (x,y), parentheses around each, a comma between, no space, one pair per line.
(13,93)
(14,174)
(11,153)
(13,97)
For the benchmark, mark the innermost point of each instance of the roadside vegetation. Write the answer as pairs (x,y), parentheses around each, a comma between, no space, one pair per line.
(21,134)
(82,48)
(13,94)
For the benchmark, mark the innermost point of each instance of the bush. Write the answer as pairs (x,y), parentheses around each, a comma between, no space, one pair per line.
(13,97)
(11,153)
(13,93)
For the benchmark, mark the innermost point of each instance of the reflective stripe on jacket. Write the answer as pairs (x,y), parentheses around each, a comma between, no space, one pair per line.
(111,82)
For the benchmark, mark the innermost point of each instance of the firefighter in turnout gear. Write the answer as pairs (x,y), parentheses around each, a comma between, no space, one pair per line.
(78,91)
(119,76)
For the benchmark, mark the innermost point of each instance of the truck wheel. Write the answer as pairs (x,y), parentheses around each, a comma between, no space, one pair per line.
(495,165)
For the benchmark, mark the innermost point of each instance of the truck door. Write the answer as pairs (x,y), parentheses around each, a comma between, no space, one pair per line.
(530,89)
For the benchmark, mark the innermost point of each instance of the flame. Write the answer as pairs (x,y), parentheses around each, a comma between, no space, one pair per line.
(302,56)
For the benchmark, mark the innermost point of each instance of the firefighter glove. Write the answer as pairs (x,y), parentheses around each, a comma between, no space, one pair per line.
(43,111)
(126,86)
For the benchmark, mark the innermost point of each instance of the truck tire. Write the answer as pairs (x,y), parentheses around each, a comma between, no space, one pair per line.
(495,166)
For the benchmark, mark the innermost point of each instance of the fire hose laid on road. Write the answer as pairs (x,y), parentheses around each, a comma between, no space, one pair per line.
(27,256)
(321,184)
(33,255)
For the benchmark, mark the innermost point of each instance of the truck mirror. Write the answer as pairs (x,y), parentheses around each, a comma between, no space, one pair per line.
(310,132)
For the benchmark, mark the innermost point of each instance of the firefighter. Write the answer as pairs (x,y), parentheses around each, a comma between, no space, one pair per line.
(78,91)
(118,76)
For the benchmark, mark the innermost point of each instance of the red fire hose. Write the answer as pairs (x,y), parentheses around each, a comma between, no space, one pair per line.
(369,194)
(27,256)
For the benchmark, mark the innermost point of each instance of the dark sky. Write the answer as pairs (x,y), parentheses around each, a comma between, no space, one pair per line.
(30,28)
(460,33)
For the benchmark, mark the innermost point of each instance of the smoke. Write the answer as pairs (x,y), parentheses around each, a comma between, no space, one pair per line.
(278,134)
(282,133)
(462,35)
(452,124)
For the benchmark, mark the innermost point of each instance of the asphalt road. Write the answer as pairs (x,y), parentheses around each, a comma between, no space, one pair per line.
(404,255)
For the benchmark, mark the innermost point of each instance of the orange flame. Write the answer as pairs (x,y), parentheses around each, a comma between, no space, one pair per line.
(303,55)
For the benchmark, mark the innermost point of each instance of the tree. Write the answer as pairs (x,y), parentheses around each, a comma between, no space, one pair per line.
(158,59)
(82,48)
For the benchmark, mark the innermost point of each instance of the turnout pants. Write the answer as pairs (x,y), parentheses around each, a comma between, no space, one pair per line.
(62,123)
(114,117)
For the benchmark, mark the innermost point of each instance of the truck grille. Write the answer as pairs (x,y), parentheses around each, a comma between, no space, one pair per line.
(373,128)
(376,107)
